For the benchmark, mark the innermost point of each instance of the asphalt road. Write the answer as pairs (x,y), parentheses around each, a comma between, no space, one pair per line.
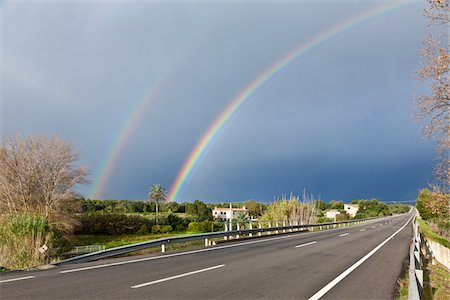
(357,262)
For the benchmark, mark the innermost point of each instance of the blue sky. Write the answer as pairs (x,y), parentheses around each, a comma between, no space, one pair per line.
(338,121)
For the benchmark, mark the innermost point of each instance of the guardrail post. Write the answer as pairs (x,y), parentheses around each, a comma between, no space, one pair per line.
(276,225)
(163,248)
(226,229)
(238,227)
(206,242)
(284,225)
(231,229)
(270,226)
(259,227)
(290,225)
(250,226)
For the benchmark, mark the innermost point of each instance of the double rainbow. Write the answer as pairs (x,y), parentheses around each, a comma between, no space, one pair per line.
(251,89)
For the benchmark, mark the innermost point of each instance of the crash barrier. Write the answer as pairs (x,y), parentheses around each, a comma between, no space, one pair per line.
(233,230)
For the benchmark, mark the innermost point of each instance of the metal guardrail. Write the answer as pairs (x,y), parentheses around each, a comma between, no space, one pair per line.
(415,273)
(202,236)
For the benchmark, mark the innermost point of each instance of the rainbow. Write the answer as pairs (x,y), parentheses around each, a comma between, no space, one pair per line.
(251,89)
(129,125)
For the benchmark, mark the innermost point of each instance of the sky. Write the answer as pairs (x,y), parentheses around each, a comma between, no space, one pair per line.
(134,85)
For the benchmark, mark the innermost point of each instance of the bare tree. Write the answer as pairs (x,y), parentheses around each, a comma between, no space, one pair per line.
(38,175)
(435,106)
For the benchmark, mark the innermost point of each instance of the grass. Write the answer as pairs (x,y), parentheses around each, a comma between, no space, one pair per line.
(111,241)
(403,288)
(426,231)
(20,238)
(436,282)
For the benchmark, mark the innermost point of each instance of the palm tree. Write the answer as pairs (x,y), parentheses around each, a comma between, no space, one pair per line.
(156,193)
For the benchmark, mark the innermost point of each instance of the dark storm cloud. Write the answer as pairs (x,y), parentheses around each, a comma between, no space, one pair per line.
(337,121)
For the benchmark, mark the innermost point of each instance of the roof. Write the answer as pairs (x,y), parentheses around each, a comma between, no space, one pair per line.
(353,205)
(233,209)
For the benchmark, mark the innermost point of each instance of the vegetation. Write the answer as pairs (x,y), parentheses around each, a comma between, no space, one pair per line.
(156,194)
(436,283)
(292,209)
(434,208)
(199,211)
(37,199)
(434,106)
(426,231)
(20,238)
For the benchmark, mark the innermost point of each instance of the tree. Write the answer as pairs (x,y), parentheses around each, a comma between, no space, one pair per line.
(199,210)
(254,208)
(155,194)
(38,175)
(435,106)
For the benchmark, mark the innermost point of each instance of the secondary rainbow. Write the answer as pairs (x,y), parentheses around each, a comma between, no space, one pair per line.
(254,86)
(129,125)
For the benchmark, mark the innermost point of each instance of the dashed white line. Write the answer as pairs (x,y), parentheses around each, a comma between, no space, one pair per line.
(335,281)
(344,234)
(16,279)
(306,244)
(176,276)
(174,254)
(373,227)
(362,230)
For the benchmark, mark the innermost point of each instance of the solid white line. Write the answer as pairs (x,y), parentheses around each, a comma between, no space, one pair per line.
(344,274)
(344,234)
(306,244)
(172,255)
(362,230)
(176,276)
(15,279)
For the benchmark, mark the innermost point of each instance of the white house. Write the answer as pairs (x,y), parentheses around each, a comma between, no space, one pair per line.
(331,213)
(225,214)
(351,209)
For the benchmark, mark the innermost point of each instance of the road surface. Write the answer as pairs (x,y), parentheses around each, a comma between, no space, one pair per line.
(357,262)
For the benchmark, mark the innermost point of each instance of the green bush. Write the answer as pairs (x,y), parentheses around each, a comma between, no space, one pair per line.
(179,224)
(143,230)
(204,226)
(166,229)
(112,224)
(20,238)
(156,229)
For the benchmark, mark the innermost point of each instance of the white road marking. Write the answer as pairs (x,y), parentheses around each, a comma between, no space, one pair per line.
(306,244)
(373,226)
(344,274)
(15,279)
(176,276)
(344,234)
(172,255)
(362,230)
(191,252)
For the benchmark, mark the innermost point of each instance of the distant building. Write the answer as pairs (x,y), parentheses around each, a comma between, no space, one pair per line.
(351,209)
(225,214)
(331,213)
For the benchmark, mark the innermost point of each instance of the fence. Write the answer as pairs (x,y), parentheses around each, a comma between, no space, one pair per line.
(415,272)
(229,233)
(432,250)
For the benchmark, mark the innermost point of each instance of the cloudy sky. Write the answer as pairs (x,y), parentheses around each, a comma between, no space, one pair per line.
(143,80)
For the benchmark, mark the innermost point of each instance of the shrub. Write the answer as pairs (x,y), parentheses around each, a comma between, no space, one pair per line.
(166,229)
(20,238)
(156,229)
(111,224)
(204,226)
(179,224)
(143,230)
